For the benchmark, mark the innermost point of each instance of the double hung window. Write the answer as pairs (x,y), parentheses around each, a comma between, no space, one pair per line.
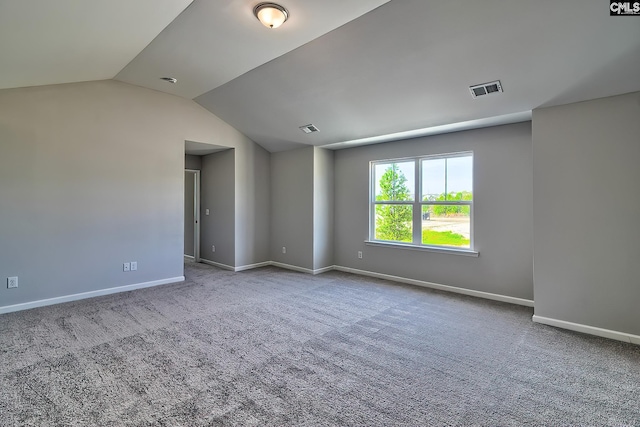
(423,201)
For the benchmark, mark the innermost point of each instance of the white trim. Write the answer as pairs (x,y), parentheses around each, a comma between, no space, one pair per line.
(196,213)
(324,269)
(431,285)
(412,247)
(506,119)
(470,292)
(217,264)
(621,336)
(198,220)
(267,264)
(252,266)
(586,329)
(189,257)
(302,269)
(91,294)
(418,204)
(292,267)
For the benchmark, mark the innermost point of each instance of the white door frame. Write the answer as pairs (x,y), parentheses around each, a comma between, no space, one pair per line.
(196,213)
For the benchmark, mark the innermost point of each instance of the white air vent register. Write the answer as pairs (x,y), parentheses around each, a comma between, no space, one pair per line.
(309,128)
(485,89)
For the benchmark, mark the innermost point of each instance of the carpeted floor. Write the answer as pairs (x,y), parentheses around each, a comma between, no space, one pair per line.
(274,347)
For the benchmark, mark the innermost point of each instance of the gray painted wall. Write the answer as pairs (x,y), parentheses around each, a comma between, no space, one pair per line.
(586,212)
(91,176)
(217,193)
(189,211)
(502,208)
(292,207)
(252,176)
(323,207)
(192,162)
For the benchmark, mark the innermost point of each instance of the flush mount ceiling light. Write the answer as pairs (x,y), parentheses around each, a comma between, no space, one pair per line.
(271,15)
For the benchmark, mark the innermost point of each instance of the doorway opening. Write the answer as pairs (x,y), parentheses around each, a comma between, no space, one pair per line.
(192,215)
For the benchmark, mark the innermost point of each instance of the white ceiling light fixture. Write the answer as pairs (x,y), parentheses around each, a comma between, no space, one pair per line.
(271,15)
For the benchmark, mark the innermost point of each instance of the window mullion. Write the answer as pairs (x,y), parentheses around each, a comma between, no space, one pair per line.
(393,202)
(417,207)
(450,202)
(446,188)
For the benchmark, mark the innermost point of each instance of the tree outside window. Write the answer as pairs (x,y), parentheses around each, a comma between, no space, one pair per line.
(394,221)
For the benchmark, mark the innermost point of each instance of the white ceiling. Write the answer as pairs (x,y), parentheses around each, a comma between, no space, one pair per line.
(408,65)
(201,149)
(61,41)
(362,71)
(215,41)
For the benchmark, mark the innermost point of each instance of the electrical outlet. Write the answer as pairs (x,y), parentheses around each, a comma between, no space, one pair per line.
(360,254)
(134,265)
(126,266)
(213,248)
(12,282)
(206,211)
(284,249)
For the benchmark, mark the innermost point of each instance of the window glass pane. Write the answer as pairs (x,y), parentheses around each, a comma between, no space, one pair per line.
(394,181)
(446,225)
(394,223)
(433,173)
(460,178)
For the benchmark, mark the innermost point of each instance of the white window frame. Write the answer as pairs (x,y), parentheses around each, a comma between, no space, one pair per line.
(417,204)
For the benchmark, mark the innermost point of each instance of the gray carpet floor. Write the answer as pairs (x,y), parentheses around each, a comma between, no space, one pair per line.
(274,347)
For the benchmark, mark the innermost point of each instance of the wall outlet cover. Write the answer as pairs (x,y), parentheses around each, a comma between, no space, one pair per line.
(12,282)
(134,265)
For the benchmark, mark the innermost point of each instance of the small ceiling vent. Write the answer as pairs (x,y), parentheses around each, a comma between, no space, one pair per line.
(309,128)
(485,89)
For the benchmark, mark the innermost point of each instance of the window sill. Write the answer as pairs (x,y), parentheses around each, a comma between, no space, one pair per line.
(442,250)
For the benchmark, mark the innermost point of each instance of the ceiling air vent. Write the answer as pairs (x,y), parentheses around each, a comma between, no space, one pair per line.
(485,89)
(309,128)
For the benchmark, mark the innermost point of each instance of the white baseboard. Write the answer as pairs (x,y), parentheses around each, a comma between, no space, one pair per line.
(586,329)
(302,269)
(252,266)
(217,264)
(470,292)
(486,295)
(292,267)
(267,264)
(189,257)
(324,269)
(91,294)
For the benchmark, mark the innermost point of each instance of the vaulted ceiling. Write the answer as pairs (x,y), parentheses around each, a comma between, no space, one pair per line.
(362,71)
